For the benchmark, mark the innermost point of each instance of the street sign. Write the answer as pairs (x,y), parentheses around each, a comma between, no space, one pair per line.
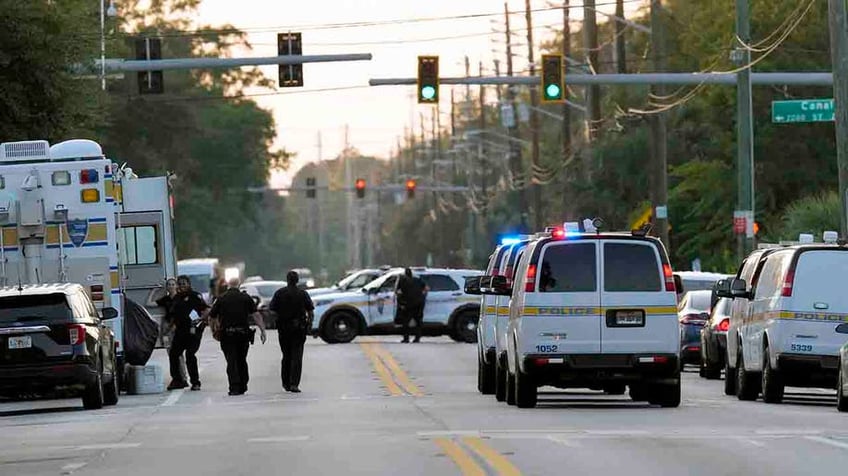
(802,110)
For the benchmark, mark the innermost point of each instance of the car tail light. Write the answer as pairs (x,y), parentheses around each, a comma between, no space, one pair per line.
(669,278)
(788,283)
(724,325)
(76,332)
(695,319)
(530,285)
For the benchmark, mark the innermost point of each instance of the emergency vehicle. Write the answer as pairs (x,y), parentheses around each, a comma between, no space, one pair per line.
(68,214)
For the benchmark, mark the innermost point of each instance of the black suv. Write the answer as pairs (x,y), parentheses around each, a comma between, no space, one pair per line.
(52,336)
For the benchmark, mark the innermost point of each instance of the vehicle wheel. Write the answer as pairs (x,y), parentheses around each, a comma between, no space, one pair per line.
(841,398)
(510,387)
(638,393)
(526,392)
(465,326)
(615,389)
(500,382)
(485,377)
(122,375)
(772,384)
(746,382)
(729,378)
(92,396)
(710,371)
(701,372)
(340,328)
(666,395)
(111,394)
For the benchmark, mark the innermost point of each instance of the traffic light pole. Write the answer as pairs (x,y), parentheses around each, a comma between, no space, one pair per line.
(838,14)
(633,79)
(744,133)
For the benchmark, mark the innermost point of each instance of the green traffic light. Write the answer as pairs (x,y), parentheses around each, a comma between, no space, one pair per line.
(428,92)
(553,91)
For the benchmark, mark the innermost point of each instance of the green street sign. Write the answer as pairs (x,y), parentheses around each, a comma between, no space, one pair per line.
(802,110)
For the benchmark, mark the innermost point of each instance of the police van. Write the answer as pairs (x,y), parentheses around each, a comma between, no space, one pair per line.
(591,309)
(70,215)
(486,327)
(340,317)
(788,305)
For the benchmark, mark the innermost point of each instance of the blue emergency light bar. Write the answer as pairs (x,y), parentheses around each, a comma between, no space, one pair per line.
(510,240)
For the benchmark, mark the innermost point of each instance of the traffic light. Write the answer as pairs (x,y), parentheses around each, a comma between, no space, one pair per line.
(410,188)
(149,82)
(290,75)
(428,80)
(360,188)
(553,87)
(310,187)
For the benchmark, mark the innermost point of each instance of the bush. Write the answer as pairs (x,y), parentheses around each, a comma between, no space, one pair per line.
(812,214)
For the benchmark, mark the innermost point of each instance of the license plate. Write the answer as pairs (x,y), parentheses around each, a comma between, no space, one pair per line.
(22,342)
(629,318)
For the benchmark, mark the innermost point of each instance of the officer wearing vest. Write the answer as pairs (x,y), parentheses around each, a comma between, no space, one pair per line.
(294,310)
(232,312)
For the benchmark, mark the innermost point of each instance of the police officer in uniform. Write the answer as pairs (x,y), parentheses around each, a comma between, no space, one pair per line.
(232,312)
(188,312)
(412,294)
(294,310)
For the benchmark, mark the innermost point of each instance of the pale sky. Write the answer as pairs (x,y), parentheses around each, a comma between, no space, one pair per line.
(376,116)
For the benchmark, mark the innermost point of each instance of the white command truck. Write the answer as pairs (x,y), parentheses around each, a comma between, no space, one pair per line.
(70,215)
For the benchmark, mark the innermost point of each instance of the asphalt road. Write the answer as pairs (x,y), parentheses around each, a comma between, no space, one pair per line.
(379,407)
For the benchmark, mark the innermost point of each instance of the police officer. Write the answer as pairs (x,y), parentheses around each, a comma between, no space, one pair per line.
(232,311)
(294,310)
(188,312)
(412,294)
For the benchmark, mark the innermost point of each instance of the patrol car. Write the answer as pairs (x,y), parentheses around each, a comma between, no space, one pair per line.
(788,303)
(591,309)
(340,317)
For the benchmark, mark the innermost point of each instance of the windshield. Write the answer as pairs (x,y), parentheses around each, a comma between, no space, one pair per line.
(699,301)
(356,280)
(268,290)
(19,309)
(378,283)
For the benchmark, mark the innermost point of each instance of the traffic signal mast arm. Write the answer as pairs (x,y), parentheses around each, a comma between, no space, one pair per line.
(682,79)
(206,63)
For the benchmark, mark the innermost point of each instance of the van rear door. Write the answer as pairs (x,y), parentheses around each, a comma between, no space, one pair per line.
(818,292)
(562,313)
(639,314)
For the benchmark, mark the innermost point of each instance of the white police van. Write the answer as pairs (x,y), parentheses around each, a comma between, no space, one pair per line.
(594,310)
(788,303)
(340,317)
(486,325)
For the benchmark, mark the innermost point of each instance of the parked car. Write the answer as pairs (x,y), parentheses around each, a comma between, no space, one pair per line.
(714,340)
(842,383)
(692,312)
(52,336)
(263,291)
(352,282)
(307,281)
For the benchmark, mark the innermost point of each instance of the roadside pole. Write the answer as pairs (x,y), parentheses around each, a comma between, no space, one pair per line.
(837,12)
(745,132)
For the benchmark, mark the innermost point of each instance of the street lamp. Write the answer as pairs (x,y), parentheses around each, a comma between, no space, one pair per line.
(111,11)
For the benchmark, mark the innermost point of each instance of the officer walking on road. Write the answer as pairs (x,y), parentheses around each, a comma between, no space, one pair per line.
(412,295)
(188,312)
(294,310)
(232,312)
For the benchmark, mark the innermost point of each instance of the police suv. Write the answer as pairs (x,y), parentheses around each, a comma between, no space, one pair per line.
(788,304)
(591,309)
(340,317)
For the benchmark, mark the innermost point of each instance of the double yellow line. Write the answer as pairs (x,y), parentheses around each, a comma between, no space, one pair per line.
(468,464)
(395,379)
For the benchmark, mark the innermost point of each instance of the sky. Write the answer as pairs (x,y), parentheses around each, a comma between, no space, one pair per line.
(375,117)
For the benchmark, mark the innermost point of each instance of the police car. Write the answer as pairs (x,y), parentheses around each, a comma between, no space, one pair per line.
(591,309)
(788,305)
(340,317)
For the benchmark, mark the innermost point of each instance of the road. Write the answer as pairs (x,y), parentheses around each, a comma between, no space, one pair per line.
(380,407)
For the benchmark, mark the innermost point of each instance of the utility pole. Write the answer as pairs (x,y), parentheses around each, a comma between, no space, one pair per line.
(538,211)
(512,129)
(659,130)
(620,59)
(590,40)
(318,203)
(567,203)
(745,131)
(434,241)
(838,20)
(481,148)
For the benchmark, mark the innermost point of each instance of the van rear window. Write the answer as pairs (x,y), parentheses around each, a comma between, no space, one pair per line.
(568,268)
(40,308)
(631,267)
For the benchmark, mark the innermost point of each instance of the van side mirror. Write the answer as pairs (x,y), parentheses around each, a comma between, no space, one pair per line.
(472,285)
(496,286)
(739,289)
(109,313)
(842,328)
(678,284)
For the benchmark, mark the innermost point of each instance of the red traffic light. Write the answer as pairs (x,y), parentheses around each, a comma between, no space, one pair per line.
(360,187)
(410,188)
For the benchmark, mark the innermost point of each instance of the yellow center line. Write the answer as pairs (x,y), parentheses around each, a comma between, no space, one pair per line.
(466,463)
(496,460)
(381,370)
(400,375)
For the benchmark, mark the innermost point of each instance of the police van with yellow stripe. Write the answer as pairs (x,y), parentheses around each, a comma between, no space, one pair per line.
(592,310)
(785,327)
